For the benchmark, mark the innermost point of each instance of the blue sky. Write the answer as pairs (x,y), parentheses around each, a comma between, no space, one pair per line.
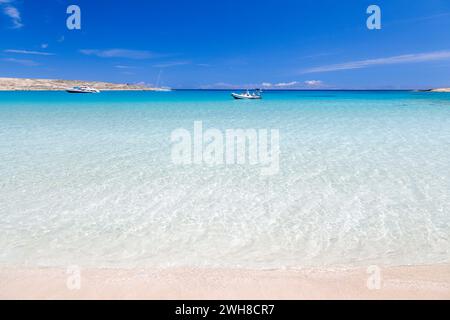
(220,44)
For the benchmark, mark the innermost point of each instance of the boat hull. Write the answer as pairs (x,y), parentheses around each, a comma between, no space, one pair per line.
(81,91)
(72,91)
(243,97)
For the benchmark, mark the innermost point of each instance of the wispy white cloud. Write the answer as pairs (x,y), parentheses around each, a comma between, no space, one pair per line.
(313,83)
(360,64)
(171,64)
(295,84)
(124,67)
(419,19)
(120,53)
(12,12)
(39,53)
(286,84)
(221,85)
(267,85)
(24,62)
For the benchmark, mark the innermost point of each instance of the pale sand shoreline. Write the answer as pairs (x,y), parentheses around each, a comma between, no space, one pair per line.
(408,282)
(440,90)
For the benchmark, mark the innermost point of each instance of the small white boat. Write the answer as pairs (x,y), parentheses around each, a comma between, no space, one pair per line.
(248,95)
(162,89)
(82,89)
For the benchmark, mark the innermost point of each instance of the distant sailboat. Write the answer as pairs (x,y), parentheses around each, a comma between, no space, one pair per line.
(158,88)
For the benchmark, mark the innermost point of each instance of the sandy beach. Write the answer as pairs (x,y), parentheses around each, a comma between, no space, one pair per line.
(407,282)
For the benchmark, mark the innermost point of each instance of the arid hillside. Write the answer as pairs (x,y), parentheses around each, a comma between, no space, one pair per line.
(18,84)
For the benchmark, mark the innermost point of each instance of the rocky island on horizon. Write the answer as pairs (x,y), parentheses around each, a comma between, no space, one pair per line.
(440,90)
(26,84)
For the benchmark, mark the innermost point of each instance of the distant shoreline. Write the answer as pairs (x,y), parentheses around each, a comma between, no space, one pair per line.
(439,90)
(28,84)
(24,84)
(63,90)
(443,90)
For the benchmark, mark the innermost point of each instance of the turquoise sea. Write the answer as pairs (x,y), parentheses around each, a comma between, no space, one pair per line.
(88,180)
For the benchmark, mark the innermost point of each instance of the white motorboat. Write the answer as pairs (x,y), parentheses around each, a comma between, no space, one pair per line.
(162,89)
(248,95)
(82,89)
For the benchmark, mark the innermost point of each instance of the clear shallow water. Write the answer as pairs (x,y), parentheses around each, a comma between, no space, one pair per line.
(88,180)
